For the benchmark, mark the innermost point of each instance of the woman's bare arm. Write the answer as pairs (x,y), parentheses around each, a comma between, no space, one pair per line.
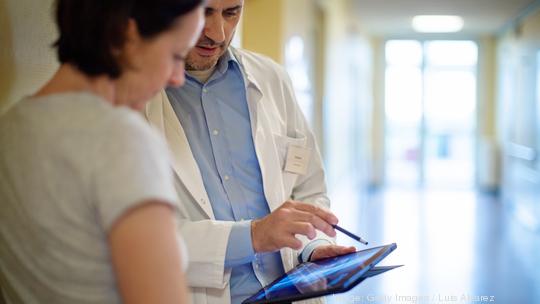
(146,256)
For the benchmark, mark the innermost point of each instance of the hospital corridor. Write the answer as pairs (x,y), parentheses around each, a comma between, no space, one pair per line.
(426,115)
(430,140)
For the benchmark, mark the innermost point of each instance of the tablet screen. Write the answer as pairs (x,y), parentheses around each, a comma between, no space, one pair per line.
(323,276)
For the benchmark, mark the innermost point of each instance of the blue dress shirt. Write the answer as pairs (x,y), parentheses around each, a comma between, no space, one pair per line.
(216,120)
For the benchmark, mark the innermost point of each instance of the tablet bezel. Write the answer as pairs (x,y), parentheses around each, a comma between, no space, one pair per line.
(357,276)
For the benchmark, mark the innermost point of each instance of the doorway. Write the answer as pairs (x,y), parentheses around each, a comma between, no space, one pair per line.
(430,108)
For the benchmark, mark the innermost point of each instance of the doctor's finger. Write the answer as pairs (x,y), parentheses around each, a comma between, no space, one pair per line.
(324,214)
(290,241)
(330,251)
(315,220)
(303,228)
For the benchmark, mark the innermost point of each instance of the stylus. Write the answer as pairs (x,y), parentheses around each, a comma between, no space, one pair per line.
(350,234)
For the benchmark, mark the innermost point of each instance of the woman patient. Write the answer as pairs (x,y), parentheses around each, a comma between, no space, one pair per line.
(87,199)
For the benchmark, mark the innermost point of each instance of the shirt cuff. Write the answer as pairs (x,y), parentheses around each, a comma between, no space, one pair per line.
(240,246)
(305,255)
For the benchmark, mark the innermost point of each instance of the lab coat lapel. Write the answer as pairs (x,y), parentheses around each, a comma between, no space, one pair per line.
(161,114)
(263,140)
(266,149)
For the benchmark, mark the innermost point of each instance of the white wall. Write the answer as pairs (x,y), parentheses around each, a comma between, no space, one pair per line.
(348,97)
(27,60)
(518,117)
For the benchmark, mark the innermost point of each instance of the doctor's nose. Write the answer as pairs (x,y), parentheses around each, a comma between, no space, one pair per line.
(214,29)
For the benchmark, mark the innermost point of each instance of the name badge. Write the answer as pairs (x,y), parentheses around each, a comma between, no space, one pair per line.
(297,160)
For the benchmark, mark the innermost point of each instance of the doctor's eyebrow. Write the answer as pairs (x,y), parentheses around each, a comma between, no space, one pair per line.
(234,9)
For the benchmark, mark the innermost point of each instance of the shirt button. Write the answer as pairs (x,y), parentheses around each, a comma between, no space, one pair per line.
(226,177)
(205,90)
(215,132)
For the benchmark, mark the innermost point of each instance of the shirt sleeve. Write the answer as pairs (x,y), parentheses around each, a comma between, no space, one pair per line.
(131,166)
(240,247)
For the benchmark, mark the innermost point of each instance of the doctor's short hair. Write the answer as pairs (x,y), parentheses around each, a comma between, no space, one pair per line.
(89,30)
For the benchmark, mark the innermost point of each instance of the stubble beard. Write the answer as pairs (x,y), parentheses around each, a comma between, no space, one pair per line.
(202,65)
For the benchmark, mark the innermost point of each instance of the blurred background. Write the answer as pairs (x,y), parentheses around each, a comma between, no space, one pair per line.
(430,136)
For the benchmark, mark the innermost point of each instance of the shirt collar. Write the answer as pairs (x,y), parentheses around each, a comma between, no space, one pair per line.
(226,58)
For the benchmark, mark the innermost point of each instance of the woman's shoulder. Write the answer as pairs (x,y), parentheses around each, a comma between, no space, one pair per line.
(85,116)
(125,122)
(91,111)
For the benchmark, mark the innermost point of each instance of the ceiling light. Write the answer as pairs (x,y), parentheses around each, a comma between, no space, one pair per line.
(437,24)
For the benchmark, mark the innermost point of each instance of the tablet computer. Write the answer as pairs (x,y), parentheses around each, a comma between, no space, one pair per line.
(323,277)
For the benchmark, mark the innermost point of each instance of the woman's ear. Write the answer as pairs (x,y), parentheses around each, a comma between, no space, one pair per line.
(132,32)
(126,54)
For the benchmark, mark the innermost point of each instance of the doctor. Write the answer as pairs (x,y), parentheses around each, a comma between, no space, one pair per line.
(249,174)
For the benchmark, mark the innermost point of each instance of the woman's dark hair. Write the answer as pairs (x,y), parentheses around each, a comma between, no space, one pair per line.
(91,29)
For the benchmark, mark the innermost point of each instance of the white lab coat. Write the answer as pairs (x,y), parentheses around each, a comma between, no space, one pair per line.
(276,122)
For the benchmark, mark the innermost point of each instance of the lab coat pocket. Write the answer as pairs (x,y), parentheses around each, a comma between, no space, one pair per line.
(283,144)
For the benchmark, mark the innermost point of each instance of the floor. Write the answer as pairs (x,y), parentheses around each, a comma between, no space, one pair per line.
(457,247)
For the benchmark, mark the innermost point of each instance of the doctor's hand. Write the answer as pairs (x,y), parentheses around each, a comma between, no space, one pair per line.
(327,251)
(277,230)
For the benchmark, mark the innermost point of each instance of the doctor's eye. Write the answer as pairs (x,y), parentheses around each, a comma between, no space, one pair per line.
(232,12)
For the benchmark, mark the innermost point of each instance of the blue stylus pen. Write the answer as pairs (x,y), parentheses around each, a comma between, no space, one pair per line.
(350,234)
